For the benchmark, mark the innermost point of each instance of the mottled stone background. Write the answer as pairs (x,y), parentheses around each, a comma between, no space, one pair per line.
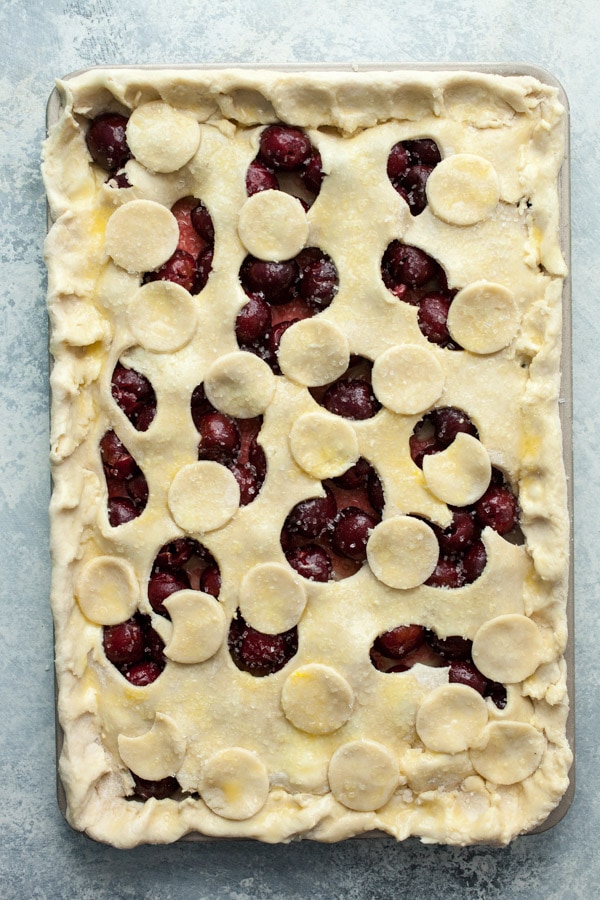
(40,857)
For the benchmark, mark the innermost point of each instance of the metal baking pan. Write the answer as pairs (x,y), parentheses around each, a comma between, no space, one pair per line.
(53,111)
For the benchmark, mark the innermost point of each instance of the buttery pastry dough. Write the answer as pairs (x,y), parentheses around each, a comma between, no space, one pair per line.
(329,746)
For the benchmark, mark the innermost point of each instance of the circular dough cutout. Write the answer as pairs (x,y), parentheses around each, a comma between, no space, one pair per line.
(162,316)
(460,474)
(313,352)
(272,598)
(273,225)
(199,626)
(463,189)
(408,379)
(107,590)
(483,317)
(240,384)
(512,753)
(402,552)
(363,775)
(508,648)
(323,445)
(451,718)
(156,754)
(317,699)
(203,496)
(141,235)
(234,783)
(161,138)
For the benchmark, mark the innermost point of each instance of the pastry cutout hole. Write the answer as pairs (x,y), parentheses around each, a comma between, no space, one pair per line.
(286,161)
(135,649)
(409,165)
(134,395)
(350,396)
(183,564)
(191,263)
(126,484)
(402,647)
(232,442)
(257,653)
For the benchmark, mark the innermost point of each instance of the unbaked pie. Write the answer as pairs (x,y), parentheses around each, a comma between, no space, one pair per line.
(309,520)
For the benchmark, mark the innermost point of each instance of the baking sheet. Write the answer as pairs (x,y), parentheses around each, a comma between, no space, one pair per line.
(53,111)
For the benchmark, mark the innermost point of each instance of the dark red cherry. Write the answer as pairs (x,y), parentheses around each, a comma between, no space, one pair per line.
(400,641)
(461,671)
(449,421)
(448,573)
(257,653)
(310,518)
(200,405)
(134,395)
(312,562)
(219,438)
(143,673)
(118,179)
(398,160)
(375,492)
(474,561)
(498,693)
(116,456)
(177,553)
(498,509)
(352,398)
(351,531)
(354,478)
(203,269)
(459,534)
(154,647)
(106,140)
(421,446)
(257,458)
(413,183)
(407,265)
(312,174)
(180,268)
(253,321)
(284,148)
(260,178)
(452,647)
(433,317)
(273,280)
(248,481)
(423,151)
(124,643)
(274,340)
(210,580)
(121,510)
(318,283)
(162,584)
(160,790)
(202,222)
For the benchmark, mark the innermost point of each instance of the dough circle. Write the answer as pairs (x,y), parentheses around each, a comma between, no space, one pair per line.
(508,648)
(234,783)
(463,189)
(203,496)
(460,474)
(156,754)
(402,552)
(483,317)
(107,590)
(317,699)
(162,316)
(313,352)
(451,718)
(363,775)
(407,379)
(240,384)
(273,226)
(323,445)
(272,598)
(141,235)
(199,626)
(512,753)
(162,138)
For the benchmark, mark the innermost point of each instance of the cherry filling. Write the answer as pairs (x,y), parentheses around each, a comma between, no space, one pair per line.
(258,653)
(106,141)
(135,649)
(126,485)
(279,295)
(191,263)
(409,165)
(160,790)
(400,648)
(135,396)
(286,161)
(437,430)
(416,278)
(232,443)
(180,565)
(350,396)
(325,537)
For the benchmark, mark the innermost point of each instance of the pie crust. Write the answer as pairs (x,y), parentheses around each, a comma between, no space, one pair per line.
(329,746)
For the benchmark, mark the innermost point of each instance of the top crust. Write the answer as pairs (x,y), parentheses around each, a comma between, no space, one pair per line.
(328,747)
